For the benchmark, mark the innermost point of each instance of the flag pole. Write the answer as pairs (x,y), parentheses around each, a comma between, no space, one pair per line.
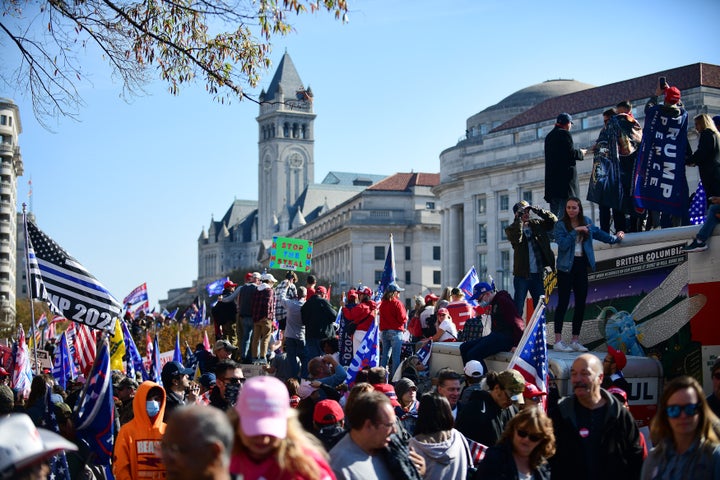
(27,282)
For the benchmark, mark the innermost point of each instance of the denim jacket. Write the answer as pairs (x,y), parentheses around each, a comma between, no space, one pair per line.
(566,244)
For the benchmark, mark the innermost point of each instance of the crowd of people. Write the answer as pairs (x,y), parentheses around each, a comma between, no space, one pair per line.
(479,425)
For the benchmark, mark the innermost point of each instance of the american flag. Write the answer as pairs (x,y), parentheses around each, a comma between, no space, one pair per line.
(698,206)
(531,357)
(59,278)
(82,342)
(58,464)
(477,451)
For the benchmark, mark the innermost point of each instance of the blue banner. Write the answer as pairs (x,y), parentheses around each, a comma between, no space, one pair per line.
(660,184)
(366,355)
(216,287)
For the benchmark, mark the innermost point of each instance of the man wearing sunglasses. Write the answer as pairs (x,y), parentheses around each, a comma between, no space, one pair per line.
(596,436)
(228,382)
(714,398)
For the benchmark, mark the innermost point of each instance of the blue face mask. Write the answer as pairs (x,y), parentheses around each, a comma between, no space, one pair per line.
(484,303)
(152,407)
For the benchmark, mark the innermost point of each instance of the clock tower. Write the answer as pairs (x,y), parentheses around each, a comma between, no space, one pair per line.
(286,144)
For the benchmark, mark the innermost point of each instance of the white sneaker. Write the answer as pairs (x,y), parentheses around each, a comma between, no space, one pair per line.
(560,346)
(577,347)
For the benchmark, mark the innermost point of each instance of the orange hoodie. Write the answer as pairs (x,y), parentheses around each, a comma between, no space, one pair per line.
(137,447)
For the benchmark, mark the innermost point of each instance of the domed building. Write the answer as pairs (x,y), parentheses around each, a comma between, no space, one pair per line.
(501,161)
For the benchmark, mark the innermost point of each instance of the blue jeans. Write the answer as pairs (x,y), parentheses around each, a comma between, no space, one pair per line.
(533,284)
(711,222)
(295,350)
(245,324)
(312,349)
(483,347)
(391,339)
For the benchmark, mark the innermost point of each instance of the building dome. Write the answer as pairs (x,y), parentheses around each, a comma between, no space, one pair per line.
(534,94)
(519,102)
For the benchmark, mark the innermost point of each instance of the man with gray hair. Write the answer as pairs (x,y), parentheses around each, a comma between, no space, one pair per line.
(197,444)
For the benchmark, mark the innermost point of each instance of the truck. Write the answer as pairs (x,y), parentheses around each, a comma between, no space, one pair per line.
(648,298)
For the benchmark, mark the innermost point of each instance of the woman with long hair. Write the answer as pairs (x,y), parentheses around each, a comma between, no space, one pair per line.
(684,431)
(574,234)
(269,440)
(446,452)
(393,319)
(523,449)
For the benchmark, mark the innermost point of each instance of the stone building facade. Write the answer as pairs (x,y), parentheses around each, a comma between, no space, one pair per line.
(501,159)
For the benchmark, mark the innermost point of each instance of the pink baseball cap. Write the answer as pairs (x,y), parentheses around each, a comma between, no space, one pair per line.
(263,406)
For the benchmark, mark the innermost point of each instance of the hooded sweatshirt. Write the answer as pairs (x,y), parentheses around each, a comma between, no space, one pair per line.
(137,448)
(447,455)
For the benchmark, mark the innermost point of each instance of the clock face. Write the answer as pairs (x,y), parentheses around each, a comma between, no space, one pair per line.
(267,164)
(296,161)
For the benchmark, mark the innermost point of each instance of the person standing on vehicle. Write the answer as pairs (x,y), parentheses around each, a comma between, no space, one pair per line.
(530,239)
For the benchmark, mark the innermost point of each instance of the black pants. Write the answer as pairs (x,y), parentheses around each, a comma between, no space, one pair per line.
(577,281)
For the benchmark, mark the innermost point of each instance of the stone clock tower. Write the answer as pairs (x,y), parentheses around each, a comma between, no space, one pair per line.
(286,143)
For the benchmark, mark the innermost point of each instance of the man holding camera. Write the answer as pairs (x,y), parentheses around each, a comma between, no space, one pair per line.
(531,250)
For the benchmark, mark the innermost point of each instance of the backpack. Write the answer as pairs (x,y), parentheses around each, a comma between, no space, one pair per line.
(430,327)
(415,326)
(473,329)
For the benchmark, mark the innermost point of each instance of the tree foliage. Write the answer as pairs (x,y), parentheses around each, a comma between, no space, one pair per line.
(223,43)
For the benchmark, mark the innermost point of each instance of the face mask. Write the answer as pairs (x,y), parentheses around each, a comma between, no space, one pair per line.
(231,393)
(484,303)
(152,407)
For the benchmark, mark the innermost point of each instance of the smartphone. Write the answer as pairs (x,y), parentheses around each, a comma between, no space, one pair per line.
(663,83)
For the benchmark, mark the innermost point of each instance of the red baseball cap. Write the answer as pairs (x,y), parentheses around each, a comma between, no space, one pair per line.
(618,356)
(672,95)
(328,412)
(229,284)
(431,297)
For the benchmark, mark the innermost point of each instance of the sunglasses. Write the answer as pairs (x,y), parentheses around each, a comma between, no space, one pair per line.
(233,381)
(534,437)
(673,411)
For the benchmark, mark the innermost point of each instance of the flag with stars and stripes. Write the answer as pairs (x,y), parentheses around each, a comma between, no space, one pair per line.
(95,410)
(82,343)
(70,289)
(531,356)
(698,206)
(58,463)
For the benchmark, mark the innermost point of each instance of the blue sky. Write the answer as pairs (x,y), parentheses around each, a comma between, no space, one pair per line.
(128,188)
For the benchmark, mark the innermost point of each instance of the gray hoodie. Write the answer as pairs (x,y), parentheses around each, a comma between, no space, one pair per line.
(447,454)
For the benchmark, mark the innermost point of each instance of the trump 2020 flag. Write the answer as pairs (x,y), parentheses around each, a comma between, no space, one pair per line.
(467,284)
(139,294)
(216,287)
(135,361)
(64,367)
(65,284)
(366,355)
(95,412)
(531,357)
(388,275)
(425,352)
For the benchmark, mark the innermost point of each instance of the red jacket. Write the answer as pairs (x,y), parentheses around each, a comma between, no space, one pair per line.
(362,314)
(393,315)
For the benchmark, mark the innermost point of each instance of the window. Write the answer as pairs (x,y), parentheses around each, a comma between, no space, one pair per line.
(503,225)
(378,276)
(482,234)
(379,253)
(482,265)
(539,133)
(429,205)
(504,201)
(407,253)
(436,277)
(505,272)
(481,205)
(408,278)
(527,196)
(436,252)
(3,119)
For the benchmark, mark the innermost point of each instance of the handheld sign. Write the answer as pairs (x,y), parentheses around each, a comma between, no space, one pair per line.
(291,254)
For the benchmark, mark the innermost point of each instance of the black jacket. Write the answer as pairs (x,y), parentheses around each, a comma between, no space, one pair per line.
(499,464)
(707,159)
(318,316)
(560,157)
(619,456)
(482,420)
